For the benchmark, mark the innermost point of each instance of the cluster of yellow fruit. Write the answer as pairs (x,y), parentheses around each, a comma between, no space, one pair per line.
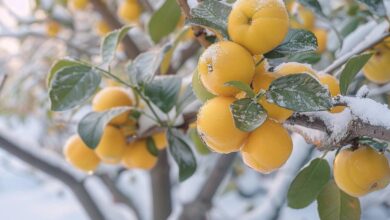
(361,171)
(113,147)
(303,18)
(377,68)
(255,27)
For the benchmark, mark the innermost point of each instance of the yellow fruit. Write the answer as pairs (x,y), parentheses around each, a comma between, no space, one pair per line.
(267,148)
(263,80)
(53,28)
(223,62)
(111,97)
(258,25)
(304,19)
(129,11)
(111,146)
(377,68)
(102,28)
(136,155)
(322,39)
(129,128)
(160,139)
(361,171)
(285,69)
(387,43)
(215,125)
(78,4)
(261,63)
(334,88)
(79,155)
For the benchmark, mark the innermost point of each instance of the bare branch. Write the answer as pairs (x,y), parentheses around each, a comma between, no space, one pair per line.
(198,208)
(73,183)
(130,48)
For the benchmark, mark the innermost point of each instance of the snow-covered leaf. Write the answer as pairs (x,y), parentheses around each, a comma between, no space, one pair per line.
(212,14)
(145,65)
(299,92)
(375,6)
(73,85)
(378,145)
(182,153)
(314,5)
(334,204)
(91,126)
(164,20)
(110,43)
(59,64)
(305,57)
(163,92)
(308,184)
(353,66)
(199,90)
(248,114)
(186,98)
(241,86)
(151,146)
(296,41)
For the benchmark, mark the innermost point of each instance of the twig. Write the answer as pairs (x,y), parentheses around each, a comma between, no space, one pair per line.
(131,48)
(198,208)
(146,4)
(199,32)
(2,83)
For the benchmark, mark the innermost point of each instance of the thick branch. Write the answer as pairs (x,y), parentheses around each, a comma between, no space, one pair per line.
(199,32)
(198,208)
(74,184)
(161,188)
(130,48)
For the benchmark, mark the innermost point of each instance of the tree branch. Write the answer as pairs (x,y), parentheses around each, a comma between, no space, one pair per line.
(198,208)
(131,48)
(161,188)
(73,183)
(199,32)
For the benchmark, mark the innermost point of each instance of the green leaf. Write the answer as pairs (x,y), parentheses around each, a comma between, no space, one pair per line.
(375,6)
(305,57)
(164,20)
(151,146)
(182,153)
(241,86)
(199,90)
(73,85)
(59,64)
(378,145)
(353,66)
(296,41)
(211,14)
(91,126)
(314,5)
(299,92)
(200,146)
(145,65)
(248,114)
(110,43)
(185,99)
(308,184)
(334,204)
(163,92)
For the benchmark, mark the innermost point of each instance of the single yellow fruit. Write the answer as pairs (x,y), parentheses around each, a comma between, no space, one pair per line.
(361,171)
(304,18)
(102,28)
(111,97)
(334,88)
(160,139)
(285,69)
(79,155)
(136,155)
(215,125)
(129,11)
(263,80)
(258,25)
(78,4)
(377,68)
(52,28)
(223,62)
(322,39)
(267,148)
(111,146)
